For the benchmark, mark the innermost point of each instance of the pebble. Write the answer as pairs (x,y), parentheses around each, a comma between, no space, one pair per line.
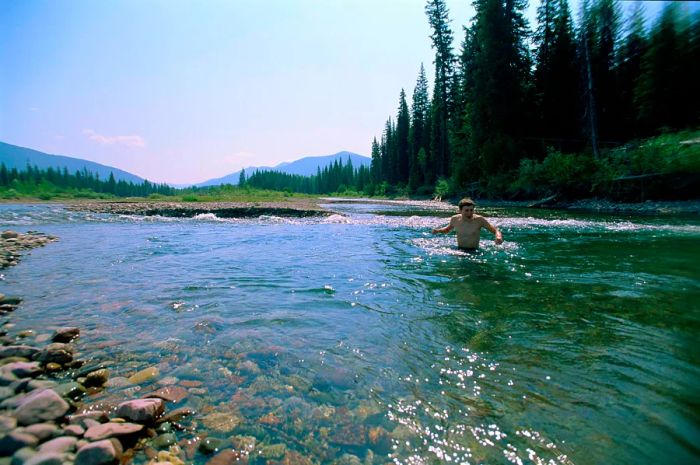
(41,406)
(108,430)
(144,375)
(60,445)
(14,441)
(164,440)
(105,452)
(22,455)
(42,431)
(45,458)
(65,334)
(169,393)
(141,410)
(97,377)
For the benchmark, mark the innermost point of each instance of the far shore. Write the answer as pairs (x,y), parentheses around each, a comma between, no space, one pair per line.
(309,206)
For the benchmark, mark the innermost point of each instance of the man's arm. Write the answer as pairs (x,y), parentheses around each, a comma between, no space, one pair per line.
(493,229)
(446,229)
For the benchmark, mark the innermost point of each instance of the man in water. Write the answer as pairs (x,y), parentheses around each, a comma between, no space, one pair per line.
(468,226)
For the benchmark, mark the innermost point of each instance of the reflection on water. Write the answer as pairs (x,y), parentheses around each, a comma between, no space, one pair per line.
(362,338)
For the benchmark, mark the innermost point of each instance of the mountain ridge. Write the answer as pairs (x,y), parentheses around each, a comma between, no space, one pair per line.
(15,156)
(305,166)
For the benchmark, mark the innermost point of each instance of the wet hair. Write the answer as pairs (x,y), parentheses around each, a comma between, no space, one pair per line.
(466,202)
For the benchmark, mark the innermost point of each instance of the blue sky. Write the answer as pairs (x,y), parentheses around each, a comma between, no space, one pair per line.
(183,91)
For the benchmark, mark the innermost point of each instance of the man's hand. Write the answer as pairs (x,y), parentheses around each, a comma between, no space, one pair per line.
(499,238)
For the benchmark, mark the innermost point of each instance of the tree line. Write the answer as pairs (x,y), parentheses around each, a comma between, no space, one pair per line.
(511,94)
(31,180)
(336,177)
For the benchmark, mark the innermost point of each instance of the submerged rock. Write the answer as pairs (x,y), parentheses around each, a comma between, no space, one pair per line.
(141,410)
(144,375)
(65,334)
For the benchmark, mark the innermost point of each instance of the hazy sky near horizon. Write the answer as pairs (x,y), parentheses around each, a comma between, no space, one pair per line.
(183,91)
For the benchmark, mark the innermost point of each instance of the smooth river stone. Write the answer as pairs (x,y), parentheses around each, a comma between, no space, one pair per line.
(42,431)
(144,375)
(141,410)
(105,452)
(14,441)
(97,378)
(109,430)
(59,445)
(169,393)
(7,424)
(18,351)
(177,415)
(22,369)
(56,353)
(45,458)
(41,406)
(65,334)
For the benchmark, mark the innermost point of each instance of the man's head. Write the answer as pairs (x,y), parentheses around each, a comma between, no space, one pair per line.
(466,207)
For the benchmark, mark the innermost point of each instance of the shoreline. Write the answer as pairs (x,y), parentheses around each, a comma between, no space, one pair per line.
(314,207)
(295,209)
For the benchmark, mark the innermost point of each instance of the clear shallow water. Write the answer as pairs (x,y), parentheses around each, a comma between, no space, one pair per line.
(576,342)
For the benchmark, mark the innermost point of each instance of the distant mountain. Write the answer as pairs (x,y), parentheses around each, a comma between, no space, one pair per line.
(306,166)
(14,156)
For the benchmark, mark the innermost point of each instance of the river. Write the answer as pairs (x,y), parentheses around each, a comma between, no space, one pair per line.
(362,338)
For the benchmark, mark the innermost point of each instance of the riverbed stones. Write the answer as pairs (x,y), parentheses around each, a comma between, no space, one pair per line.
(144,375)
(56,352)
(7,424)
(13,244)
(169,393)
(105,452)
(42,431)
(141,410)
(46,458)
(110,430)
(177,415)
(14,441)
(66,334)
(97,415)
(97,378)
(60,444)
(24,351)
(41,406)
(22,369)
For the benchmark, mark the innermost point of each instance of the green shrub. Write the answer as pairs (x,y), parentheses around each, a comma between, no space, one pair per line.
(10,194)
(442,188)
(190,198)
(45,196)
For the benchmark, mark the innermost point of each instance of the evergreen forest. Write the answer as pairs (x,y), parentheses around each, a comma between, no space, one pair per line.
(571,107)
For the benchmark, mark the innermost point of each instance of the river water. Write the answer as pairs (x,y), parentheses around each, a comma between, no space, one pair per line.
(362,338)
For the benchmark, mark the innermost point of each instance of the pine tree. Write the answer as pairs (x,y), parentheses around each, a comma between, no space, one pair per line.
(629,69)
(499,109)
(402,141)
(241,178)
(556,75)
(111,184)
(376,163)
(607,24)
(658,94)
(419,134)
(441,104)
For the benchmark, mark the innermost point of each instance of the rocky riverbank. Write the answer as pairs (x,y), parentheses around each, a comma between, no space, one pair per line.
(298,208)
(43,420)
(13,244)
